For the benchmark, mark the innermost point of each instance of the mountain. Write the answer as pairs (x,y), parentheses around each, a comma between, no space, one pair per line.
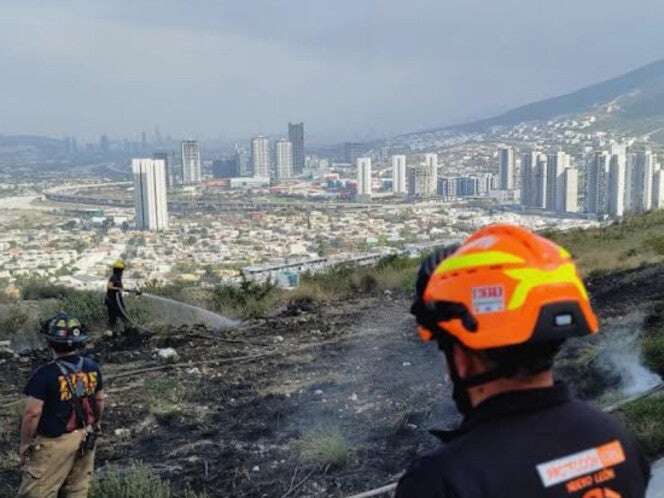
(636,95)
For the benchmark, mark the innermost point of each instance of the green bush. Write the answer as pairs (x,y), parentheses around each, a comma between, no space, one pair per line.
(325,447)
(653,352)
(645,418)
(13,321)
(137,480)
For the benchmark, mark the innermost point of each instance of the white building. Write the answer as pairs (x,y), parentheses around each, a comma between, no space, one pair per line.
(260,156)
(150,194)
(506,168)
(364,176)
(570,191)
(557,163)
(658,190)
(617,185)
(284,151)
(639,188)
(190,157)
(528,164)
(399,174)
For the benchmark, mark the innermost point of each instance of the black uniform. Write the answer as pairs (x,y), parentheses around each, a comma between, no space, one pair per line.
(114,301)
(532,443)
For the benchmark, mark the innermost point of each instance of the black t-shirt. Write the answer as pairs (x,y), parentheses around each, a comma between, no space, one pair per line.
(539,442)
(112,294)
(50,386)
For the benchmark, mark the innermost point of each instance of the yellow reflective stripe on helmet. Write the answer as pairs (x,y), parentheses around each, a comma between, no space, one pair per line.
(564,253)
(485,258)
(529,278)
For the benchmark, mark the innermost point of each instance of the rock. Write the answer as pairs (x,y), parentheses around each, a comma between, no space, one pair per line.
(354,397)
(108,333)
(122,432)
(168,354)
(256,468)
(193,371)
(279,338)
(318,392)
(406,364)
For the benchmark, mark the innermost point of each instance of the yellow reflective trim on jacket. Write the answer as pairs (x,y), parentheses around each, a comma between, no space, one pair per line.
(529,278)
(485,258)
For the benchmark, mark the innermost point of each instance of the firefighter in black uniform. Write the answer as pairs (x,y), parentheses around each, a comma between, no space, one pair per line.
(114,301)
(499,307)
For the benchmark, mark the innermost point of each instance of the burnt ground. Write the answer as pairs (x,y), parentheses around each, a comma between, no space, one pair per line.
(247,428)
(238,414)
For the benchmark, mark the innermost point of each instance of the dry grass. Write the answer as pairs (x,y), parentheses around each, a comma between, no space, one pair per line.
(325,447)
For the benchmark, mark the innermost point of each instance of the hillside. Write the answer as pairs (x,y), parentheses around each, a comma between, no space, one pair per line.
(326,390)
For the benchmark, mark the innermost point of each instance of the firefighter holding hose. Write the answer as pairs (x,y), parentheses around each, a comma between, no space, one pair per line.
(499,307)
(114,301)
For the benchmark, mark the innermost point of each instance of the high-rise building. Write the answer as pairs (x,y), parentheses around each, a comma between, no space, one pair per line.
(399,174)
(422,182)
(528,163)
(431,165)
(164,156)
(570,191)
(284,152)
(364,176)
(104,145)
(658,190)
(150,194)
(639,188)
(557,162)
(260,157)
(296,137)
(617,185)
(242,161)
(540,182)
(190,162)
(506,168)
(597,184)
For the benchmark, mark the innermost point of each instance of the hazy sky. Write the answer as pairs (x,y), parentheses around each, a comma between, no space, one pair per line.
(350,69)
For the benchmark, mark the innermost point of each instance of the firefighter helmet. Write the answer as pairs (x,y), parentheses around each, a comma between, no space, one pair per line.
(518,287)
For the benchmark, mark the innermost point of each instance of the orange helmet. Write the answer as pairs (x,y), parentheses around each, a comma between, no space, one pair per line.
(518,286)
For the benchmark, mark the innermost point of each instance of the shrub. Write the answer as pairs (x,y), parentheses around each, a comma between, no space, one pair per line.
(137,480)
(325,447)
(645,419)
(14,320)
(653,352)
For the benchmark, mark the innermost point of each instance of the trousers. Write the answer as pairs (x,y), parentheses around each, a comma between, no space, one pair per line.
(56,469)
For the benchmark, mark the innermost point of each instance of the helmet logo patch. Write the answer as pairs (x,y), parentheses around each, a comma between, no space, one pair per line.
(488,299)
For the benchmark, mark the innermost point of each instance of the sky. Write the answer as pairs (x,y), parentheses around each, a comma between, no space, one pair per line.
(352,70)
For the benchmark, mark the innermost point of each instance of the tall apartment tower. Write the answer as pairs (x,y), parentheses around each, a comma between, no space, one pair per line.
(170,177)
(150,194)
(557,163)
(597,184)
(190,160)
(284,153)
(190,157)
(639,189)
(260,156)
(528,163)
(570,191)
(399,174)
(431,175)
(364,176)
(617,185)
(658,189)
(296,137)
(506,168)
(540,182)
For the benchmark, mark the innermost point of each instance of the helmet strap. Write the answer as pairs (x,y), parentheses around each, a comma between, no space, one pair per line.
(461,386)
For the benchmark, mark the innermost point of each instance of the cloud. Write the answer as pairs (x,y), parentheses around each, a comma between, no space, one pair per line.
(350,69)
